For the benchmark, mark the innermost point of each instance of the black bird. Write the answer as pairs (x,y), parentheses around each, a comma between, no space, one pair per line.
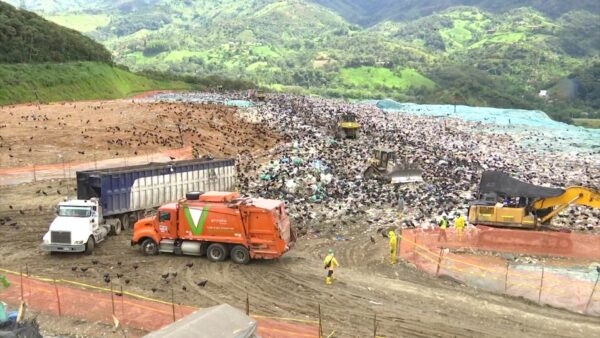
(84,269)
(372,240)
(74,268)
(94,262)
(202,283)
(106,275)
(153,290)
(45,193)
(174,274)
(172,158)
(165,276)
(39,207)
(127,281)
(119,275)
(189,265)
(58,192)
(135,266)
(107,280)
(118,294)
(119,263)
(10,207)
(21,212)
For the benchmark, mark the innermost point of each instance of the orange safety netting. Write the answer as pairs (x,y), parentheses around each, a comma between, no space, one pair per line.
(570,287)
(135,311)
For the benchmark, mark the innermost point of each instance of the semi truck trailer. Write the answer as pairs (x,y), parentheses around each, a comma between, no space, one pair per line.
(218,225)
(110,200)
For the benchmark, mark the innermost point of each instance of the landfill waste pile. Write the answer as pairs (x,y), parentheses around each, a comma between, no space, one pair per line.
(321,180)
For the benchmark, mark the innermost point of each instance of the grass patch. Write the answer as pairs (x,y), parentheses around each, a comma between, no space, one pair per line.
(73,81)
(81,22)
(588,123)
(377,77)
(265,51)
(179,55)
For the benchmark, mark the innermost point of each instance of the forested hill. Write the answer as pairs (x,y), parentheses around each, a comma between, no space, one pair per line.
(25,37)
(371,12)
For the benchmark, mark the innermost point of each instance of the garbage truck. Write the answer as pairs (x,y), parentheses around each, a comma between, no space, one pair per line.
(110,200)
(218,225)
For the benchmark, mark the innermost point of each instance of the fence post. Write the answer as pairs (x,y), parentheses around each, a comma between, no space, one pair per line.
(247,305)
(22,296)
(112,298)
(593,290)
(437,272)
(57,298)
(506,277)
(34,177)
(122,303)
(375,326)
(173,303)
(320,323)
(541,286)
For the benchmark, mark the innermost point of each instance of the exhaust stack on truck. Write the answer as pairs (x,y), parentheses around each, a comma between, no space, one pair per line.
(110,200)
(218,225)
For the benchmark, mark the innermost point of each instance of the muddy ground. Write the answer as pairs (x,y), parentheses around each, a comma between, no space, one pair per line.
(408,303)
(94,130)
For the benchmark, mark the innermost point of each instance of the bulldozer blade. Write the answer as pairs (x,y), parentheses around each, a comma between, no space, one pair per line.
(401,176)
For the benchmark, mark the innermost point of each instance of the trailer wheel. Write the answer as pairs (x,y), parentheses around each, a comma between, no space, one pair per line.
(149,247)
(240,255)
(89,246)
(126,221)
(216,252)
(115,226)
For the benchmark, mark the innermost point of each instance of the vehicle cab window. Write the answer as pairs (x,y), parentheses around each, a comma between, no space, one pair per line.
(165,226)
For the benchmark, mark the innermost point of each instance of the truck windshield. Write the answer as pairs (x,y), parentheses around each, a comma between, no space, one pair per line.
(74,211)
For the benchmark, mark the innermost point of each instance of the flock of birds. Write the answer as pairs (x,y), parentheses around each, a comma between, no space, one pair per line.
(108,278)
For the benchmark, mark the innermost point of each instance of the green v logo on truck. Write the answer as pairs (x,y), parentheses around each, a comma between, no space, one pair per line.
(195,218)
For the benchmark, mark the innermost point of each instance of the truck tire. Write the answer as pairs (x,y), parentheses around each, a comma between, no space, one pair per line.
(149,247)
(240,255)
(126,221)
(115,226)
(89,246)
(216,252)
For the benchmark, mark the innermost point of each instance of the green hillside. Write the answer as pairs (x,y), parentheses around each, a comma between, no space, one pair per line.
(40,60)
(72,81)
(493,53)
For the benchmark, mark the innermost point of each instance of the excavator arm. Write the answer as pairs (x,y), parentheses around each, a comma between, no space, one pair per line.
(572,195)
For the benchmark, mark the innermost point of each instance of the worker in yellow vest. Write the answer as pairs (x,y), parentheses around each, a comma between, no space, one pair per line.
(329,263)
(459,224)
(443,225)
(393,243)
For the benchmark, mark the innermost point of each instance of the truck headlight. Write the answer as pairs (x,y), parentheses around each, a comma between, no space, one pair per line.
(78,242)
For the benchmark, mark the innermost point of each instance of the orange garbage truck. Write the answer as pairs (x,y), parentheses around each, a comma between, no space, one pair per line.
(218,225)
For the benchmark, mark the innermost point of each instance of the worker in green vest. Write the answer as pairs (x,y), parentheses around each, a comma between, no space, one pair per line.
(443,225)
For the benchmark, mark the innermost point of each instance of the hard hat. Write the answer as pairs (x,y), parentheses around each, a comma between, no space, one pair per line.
(330,251)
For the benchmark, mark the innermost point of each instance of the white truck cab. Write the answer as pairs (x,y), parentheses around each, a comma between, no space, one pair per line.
(78,227)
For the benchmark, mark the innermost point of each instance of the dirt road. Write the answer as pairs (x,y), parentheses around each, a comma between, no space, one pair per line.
(407,302)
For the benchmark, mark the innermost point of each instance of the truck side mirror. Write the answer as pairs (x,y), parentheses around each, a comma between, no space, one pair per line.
(93,220)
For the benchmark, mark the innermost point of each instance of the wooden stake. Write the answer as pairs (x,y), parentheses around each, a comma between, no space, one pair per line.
(592,294)
(247,305)
(375,326)
(320,323)
(34,177)
(57,298)
(541,286)
(112,298)
(173,303)
(22,295)
(122,303)
(437,272)
(506,277)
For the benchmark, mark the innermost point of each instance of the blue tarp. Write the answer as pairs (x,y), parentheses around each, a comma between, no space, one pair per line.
(557,135)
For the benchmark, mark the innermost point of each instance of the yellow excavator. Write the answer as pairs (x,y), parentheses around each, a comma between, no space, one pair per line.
(507,202)
(348,127)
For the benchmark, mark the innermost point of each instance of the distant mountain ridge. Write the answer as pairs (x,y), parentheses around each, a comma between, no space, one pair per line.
(493,53)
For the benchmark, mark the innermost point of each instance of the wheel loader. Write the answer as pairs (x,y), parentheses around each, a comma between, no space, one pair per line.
(384,166)
(507,202)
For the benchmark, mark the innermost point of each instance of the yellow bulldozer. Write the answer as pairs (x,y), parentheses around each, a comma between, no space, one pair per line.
(347,126)
(384,166)
(507,202)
